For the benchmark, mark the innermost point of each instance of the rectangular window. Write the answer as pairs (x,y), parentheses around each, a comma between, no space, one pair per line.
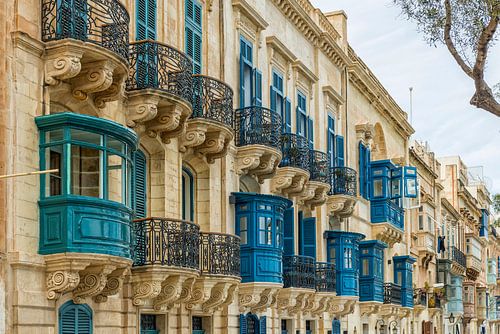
(365,267)
(54,158)
(301,114)
(193,30)
(420,222)
(86,177)
(246,73)
(115,178)
(265,230)
(243,230)
(277,96)
(378,188)
(331,140)
(279,232)
(347,258)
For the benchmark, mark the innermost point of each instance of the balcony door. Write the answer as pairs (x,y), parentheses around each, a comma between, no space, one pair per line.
(71,19)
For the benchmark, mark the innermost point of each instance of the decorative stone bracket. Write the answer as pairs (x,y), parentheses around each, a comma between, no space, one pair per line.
(341,206)
(157,113)
(320,195)
(206,138)
(212,293)
(258,161)
(257,297)
(85,275)
(342,305)
(369,308)
(289,181)
(295,300)
(387,233)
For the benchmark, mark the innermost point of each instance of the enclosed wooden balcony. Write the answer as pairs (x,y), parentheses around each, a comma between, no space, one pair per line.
(343,190)
(258,138)
(159,89)
(86,50)
(209,130)
(316,189)
(293,170)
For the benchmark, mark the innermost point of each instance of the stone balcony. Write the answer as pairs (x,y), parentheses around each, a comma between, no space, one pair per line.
(209,130)
(315,191)
(176,263)
(86,52)
(426,247)
(342,194)
(159,90)
(258,138)
(473,266)
(293,171)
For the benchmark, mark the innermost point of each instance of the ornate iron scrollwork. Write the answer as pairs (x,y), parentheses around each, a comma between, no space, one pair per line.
(342,181)
(219,254)
(155,65)
(212,99)
(318,167)
(258,126)
(392,293)
(102,22)
(299,272)
(295,150)
(325,277)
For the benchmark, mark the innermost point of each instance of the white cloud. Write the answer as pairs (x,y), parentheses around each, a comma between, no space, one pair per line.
(400,58)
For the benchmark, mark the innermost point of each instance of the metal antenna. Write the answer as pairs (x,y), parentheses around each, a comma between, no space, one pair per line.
(411,105)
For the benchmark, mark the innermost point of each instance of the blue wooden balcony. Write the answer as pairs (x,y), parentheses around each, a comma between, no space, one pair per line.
(258,126)
(85,207)
(325,277)
(343,181)
(299,272)
(319,166)
(219,254)
(161,67)
(295,151)
(212,100)
(392,294)
(387,211)
(166,242)
(101,22)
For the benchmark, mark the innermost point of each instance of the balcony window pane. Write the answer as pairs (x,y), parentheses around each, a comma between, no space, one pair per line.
(114,144)
(243,230)
(54,135)
(116,189)
(269,229)
(85,136)
(86,171)
(377,188)
(420,222)
(365,267)
(53,158)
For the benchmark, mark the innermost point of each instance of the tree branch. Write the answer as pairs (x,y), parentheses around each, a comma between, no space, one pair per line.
(449,42)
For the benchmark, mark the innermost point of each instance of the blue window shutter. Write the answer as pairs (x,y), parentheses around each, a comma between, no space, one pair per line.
(287,121)
(288,232)
(307,236)
(193,30)
(242,73)
(367,172)
(336,326)
(151,20)
(310,132)
(75,319)
(197,53)
(243,324)
(272,95)
(141,20)
(331,141)
(140,195)
(262,325)
(298,129)
(339,148)
(362,167)
(257,100)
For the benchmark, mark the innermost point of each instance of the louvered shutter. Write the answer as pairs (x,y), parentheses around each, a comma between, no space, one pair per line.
(196,53)
(288,232)
(336,326)
(287,119)
(362,167)
(80,19)
(140,195)
(263,325)
(75,319)
(141,20)
(193,31)
(330,141)
(339,150)
(151,20)
(67,321)
(257,99)
(367,172)
(272,95)
(242,73)
(310,132)
(84,321)
(243,324)
(307,236)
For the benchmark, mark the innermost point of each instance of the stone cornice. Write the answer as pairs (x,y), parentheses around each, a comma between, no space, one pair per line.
(333,95)
(366,82)
(27,43)
(279,47)
(245,8)
(302,68)
(323,35)
(421,161)
(450,208)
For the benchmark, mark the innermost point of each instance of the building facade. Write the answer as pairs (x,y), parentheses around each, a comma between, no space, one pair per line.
(223,166)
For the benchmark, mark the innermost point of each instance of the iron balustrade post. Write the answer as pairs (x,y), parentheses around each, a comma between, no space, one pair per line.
(219,254)
(257,125)
(319,166)
(295,151)
(343,181)
(299,272)
(212,99)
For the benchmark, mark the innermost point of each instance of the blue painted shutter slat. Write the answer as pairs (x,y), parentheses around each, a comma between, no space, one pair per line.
(310,132)
(193,30)
(258,87)
(242,73)
(362,160)
(262,325)
(141,20)
(287,122)
(140,196)
(196,53)
(367,172)
(297,120)
(339,148)
(75,319)
(151,20)
(288,232)
(68,321)
(84,322)
(273,99)
(243,324)
(307,236)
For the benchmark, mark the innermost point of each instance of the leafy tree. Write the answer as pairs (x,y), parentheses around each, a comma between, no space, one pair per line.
(496,207)
(468,29)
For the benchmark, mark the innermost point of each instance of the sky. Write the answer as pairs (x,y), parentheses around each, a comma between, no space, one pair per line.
(400,58)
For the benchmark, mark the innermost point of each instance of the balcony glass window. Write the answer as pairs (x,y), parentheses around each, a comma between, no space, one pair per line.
(89,164)
(347,257)
(265,231)
(243,230)
(365,267)
(421,222)
(279,232)
(378,189)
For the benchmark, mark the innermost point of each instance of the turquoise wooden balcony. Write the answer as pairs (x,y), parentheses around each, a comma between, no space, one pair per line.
(85,207)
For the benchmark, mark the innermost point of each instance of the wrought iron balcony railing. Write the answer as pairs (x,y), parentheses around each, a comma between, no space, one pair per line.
(299,272)
(102,22)
(212,99)
(257,126)
(458,256)
(219,254)
(319,166)
(434,300)
(295,151)
(343,181)
(419,297)
(166,242)
(154,65)
(325,277)
(392,293)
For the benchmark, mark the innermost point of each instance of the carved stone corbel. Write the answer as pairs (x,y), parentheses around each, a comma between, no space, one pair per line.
(146,290)
(195,135)
(113,285)
(247,161)
(61,281)
(113,93)
(300,303)
(340,205)
(365,133)
(218,295)
(342,306)
(201,293)
(297,186)
(267,167)
(320,197)
(187,288)
(92,283)
(215,143)
(307,193)
(368,308)
(62,63)
(282,180)
(321,306)
(171,289)
(94,77)
(267,297)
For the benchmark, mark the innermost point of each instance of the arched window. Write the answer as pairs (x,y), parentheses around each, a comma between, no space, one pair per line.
(187,194)
(75,319)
